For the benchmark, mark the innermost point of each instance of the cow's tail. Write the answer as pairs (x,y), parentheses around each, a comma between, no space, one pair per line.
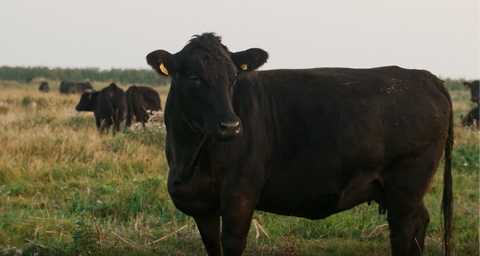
(447,201)
(129,96)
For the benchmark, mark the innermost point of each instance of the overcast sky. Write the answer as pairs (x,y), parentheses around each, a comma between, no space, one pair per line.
(441,36)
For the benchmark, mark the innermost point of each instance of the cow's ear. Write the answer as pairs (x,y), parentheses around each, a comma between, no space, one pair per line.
(162,61)
(466,84)
(250,59)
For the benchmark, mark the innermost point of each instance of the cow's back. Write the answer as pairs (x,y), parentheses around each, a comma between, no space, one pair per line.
(354,106)
(145,97)
(152,99)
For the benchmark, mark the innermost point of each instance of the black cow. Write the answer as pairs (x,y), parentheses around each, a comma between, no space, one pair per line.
(306,142)
(471,119)
(44,87)
(139,100)
(108,105)
(474,89)
(68,87)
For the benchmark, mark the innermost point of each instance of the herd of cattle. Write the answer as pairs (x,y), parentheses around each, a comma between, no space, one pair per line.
(112,105)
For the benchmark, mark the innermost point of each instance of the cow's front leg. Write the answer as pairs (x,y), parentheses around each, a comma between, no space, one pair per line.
(209,227)
(236,220)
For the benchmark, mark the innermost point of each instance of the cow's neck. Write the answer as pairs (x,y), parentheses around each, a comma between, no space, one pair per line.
(183,146)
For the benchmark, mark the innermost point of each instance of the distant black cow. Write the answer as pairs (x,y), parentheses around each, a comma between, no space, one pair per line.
(68,87)
(474,90)
(139,100)
(303,142)
(108,105)
(471,119)
(44,87)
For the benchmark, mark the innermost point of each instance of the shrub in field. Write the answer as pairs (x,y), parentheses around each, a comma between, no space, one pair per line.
(154,132)
(27,101)
(155,123)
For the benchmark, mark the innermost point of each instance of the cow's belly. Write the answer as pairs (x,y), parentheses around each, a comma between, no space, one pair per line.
(311,207)
(316,200)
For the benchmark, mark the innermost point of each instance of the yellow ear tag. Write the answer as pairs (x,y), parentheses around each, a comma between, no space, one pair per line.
(163,69)
(89,96)
(244,66)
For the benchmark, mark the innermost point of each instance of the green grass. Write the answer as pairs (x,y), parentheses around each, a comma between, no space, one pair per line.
(64,188)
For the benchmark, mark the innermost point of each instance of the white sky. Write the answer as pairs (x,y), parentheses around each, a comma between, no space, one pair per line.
(441,36)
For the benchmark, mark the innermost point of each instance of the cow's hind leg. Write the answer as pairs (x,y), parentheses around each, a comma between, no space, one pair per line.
(422,232)
(407,230)
(209,227)
(116,121)
(406,213)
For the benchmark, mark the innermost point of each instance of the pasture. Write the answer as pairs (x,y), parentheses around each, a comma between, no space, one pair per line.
(66,190)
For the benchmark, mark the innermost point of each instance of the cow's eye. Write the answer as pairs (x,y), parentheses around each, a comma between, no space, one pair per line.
(194,78)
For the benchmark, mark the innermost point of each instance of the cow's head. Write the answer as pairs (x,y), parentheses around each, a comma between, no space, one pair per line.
(203,76)
(474,89)
(87,101)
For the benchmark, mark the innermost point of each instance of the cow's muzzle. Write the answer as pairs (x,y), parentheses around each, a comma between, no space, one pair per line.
(229,130)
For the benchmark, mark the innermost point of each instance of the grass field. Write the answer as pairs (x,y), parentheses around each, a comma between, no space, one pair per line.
(66,190)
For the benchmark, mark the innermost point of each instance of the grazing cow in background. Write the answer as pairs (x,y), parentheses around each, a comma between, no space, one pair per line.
(471,119)
(474,89)
(68,87)
(108,105)
(139,100)
(44,87)
(305,142)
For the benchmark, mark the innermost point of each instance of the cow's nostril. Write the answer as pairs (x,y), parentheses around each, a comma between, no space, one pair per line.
(228,127)
(237,130)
